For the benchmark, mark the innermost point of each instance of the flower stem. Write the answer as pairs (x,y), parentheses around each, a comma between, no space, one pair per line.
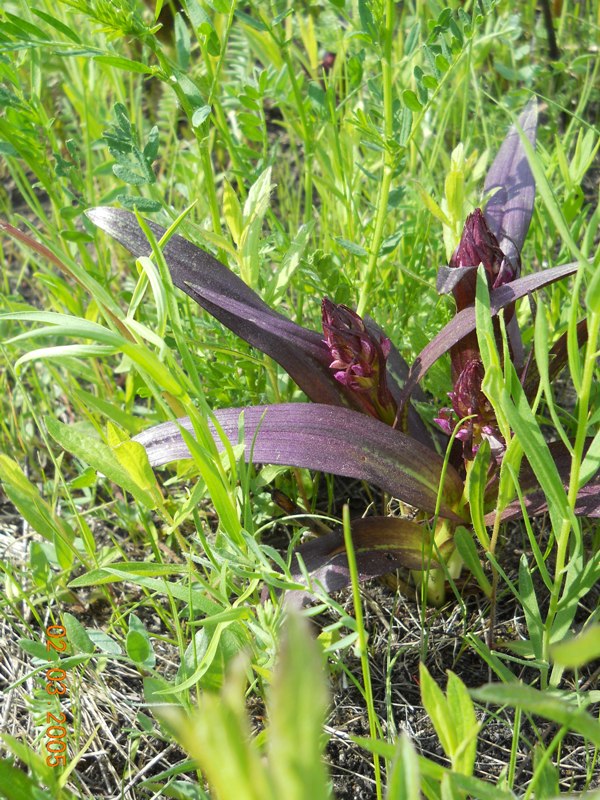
(362,643)
(388,162)
(562,539)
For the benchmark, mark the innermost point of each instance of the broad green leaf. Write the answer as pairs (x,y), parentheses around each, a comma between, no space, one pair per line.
(132,457)
(100,457)
(437,707)
(104,642)
(473,787)
(15,784)
(77,635)
(352,247)
(577,651)
(38,650)
(411,101)
(139,646)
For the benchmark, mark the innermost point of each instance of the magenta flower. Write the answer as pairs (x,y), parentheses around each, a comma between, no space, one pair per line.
(359,360)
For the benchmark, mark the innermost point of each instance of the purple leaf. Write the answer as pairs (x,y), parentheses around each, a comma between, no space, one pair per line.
(300,352)
(327,439)
(449,277)
(588,502)
(508,213)
(464,322)
(381,545)
(586,505)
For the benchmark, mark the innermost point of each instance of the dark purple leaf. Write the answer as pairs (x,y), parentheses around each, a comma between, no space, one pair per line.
(219,291)
(535,500)
(508,212)
(586,505)
(328,439)
(381,545)
(449,277)
(464,322)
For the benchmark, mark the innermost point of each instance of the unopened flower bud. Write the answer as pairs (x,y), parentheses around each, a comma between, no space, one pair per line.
(469,401)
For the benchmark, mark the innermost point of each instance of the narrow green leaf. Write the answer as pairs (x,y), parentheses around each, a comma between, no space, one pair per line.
(126,570)
(544,704)
(528,599)
(404,779)
(476,483)
(297,712)
(523,423)
(436,706)
(462,717)
(127,64)
(468,552)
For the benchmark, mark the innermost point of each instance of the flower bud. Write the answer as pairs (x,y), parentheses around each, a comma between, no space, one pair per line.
(478,245)
(468,400)
(359,359)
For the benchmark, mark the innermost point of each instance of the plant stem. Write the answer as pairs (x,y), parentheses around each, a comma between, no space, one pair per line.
(362,642)
(307,130)
(388,162)
(564,534)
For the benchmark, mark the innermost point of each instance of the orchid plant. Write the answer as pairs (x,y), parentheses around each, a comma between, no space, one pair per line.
(361,422)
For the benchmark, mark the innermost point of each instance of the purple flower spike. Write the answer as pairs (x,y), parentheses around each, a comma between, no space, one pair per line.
(359,358)
(478,245)
(469,401)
